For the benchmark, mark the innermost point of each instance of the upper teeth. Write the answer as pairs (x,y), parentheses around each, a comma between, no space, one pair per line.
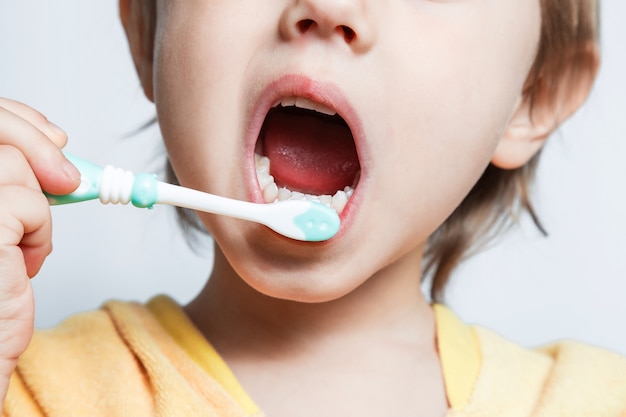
(271,192)
(305,103)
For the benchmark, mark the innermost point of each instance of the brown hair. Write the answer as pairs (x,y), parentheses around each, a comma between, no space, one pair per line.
(568,29)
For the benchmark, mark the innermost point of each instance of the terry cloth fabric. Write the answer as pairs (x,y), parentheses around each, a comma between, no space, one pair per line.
(134,360)
(566,379)
(117,361)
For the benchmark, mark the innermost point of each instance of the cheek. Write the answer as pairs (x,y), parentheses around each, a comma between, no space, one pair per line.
(462,66)
(445,115)
(461,85)
(195,112)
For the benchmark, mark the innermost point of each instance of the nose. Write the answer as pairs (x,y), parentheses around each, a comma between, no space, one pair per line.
(348,20)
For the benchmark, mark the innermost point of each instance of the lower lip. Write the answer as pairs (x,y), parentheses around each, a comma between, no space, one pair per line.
(301,86)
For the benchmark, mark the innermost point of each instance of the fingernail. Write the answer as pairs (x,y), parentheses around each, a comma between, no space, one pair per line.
(71,171)
(56,129)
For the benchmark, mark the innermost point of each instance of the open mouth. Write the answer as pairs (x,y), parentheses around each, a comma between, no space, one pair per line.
(306,151)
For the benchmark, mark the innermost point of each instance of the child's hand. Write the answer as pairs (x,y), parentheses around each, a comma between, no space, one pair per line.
(30,159)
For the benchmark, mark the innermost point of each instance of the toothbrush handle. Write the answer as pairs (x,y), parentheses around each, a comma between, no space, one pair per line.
(110,185)
(89,188)
(300,220)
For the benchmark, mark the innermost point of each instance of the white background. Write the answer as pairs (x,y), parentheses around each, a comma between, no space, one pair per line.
(68,58)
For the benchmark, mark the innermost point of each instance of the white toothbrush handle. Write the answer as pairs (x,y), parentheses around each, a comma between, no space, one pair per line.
(301,220)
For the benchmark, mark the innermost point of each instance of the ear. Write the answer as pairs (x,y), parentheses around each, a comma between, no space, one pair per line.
(138,19)
(538,115)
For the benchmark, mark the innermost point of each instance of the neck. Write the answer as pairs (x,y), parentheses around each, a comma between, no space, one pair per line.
(388,305)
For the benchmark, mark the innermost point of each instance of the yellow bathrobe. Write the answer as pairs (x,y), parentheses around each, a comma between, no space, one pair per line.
(129,359)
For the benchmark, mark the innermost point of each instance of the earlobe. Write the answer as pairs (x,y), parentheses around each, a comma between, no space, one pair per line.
(523,138)
(539,114)
(138,20)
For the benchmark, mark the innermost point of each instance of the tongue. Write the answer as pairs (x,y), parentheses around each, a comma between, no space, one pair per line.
(309,152)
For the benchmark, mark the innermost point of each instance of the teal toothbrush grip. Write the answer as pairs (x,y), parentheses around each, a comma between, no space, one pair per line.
(144,193)
(89,188)
(110,185)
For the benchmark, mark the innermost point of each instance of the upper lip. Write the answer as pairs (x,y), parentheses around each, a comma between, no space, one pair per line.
(296,85)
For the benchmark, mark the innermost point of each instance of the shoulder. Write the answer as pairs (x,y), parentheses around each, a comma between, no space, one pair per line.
(117,361)
(563,379)
(84,343)
(584,377)
(76,367)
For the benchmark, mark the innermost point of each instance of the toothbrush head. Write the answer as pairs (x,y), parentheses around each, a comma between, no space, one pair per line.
(318,223)
(308,221)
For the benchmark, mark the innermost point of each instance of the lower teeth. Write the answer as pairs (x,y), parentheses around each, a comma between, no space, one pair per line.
(273,194)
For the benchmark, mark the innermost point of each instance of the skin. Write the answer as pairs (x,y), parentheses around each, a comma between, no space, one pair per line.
(424,134)
(30,159)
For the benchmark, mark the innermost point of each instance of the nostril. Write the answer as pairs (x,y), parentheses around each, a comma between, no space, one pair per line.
(348,33)
(305,24)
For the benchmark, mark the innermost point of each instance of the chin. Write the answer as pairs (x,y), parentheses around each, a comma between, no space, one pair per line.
(281,268)
(306,286)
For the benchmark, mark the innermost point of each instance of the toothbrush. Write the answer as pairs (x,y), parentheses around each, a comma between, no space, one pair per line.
(300,220)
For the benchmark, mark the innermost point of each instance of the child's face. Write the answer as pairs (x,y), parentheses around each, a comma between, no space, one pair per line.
(426,87)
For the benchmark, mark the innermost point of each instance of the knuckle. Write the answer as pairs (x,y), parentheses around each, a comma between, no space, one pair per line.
(25,220)
(12,159)
(11,153)
(15,167)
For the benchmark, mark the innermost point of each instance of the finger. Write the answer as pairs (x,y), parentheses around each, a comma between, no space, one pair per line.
(25,224)
(53,171)
(37,119)
(15,169)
